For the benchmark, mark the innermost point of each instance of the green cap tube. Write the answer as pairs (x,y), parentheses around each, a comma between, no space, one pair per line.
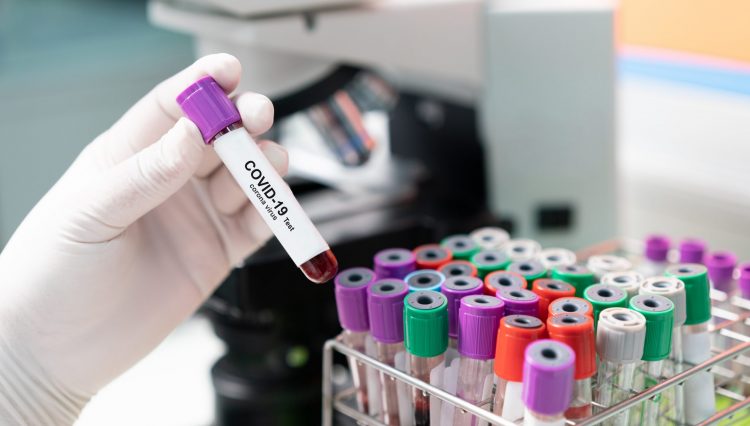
(659,313)
(698,301)
(462,246)
(426,323)
(488,261)
(576,275)
(603,296)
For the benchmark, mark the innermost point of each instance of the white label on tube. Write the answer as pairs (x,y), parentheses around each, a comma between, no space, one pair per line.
(450,383)
(404,391)
(512,404)
(436,379)
(373,383)
(700,396)
(270,195)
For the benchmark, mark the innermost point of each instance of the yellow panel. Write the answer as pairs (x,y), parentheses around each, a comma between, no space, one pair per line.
(709,27)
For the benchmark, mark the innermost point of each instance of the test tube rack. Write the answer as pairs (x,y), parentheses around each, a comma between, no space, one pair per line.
(730,365)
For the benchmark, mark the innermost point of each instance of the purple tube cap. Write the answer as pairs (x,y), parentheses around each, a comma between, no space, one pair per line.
(519,301)
(385,303)
(455,288)
(744,281)
(657,248)
(478,320)
(394,263)
(548,376)
(351,298)
(692,250)
(721,266)
(205,104)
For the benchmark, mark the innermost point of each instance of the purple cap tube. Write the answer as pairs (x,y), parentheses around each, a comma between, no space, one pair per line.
(744,282)
(351,298)
(206,104)
(548,376)
(478,320)
(657,248)
(394,263)
(454,289)
(692,250)
(721,266)
(385,302)
(519,301)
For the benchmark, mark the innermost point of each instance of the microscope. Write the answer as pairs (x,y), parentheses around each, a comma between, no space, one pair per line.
(405,120)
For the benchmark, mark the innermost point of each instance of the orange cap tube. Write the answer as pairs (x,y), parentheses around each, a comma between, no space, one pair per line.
(432,256)
(571,305)
(548,291)
(516,332)
(576,331)
(498,280)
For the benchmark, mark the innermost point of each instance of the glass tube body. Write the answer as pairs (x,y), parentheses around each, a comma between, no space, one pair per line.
(507,401)
(356,341)
(699,392)
(474,378)
(386,353)
(580,406)
(421,368)
(614,382)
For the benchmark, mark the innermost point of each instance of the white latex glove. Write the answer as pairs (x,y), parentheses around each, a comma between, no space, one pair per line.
(127,244)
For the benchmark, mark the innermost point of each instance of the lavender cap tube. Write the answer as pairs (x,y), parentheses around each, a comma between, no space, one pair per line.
(692,251)
(351,298)
(548,376)
(478,320)
(721,266)
(385,302)
(744,281)
(394,263)
(455,288)
(657,248)
(519,302)
(211,113)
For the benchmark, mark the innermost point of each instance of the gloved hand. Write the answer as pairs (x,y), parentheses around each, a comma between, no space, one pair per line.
(127,244)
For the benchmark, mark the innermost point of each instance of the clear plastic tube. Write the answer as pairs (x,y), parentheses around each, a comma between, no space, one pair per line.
(580,407)
(474,375)
(507,400)
(386,353)
(651,406)
(356,341)
(614,382)
(424,369)
(700,396)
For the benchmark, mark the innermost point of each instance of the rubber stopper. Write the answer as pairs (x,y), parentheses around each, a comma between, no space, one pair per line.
(385,302)
(499,280)
(490,237)
(488,261)
(628,281)
(571,305)
(659,313)
(462,246)
(603,296)
(350,288)
(548,376)
(548,291)
(576,331)
(529,269)
(519,301)
(457,268)
(578,276)
(426,323)
(697,291)
(431,256)
(394,263)
(515,333)
(621,335)
(455,288)
(478,321)
(671,288)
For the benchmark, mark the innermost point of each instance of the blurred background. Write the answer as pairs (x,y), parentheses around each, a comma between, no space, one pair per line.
(565,121)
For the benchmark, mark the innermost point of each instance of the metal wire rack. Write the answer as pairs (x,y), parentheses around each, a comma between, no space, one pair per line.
(730,365)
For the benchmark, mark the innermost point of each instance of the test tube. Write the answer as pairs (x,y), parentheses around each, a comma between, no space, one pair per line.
(655,255)
(394,263)
(351,304)
(457,268)
(548,376)
(629,281)
(620,338)
(386,312)
(571,305)
(603,296)
(454,289)
(426,339)
(515,333)
(424,279)
(692,250)
(604,263)
(556,257)
(548,291)
(721,265)
(519,301)
(700,397)
(744,281)
(674,290)
(522,249)
(578,276)
(490,237)
(431,256)
(659,313)
(529,269)
(499,280)
(478,322)
(462,246)
(577,331)
(488,261)
(205,103)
